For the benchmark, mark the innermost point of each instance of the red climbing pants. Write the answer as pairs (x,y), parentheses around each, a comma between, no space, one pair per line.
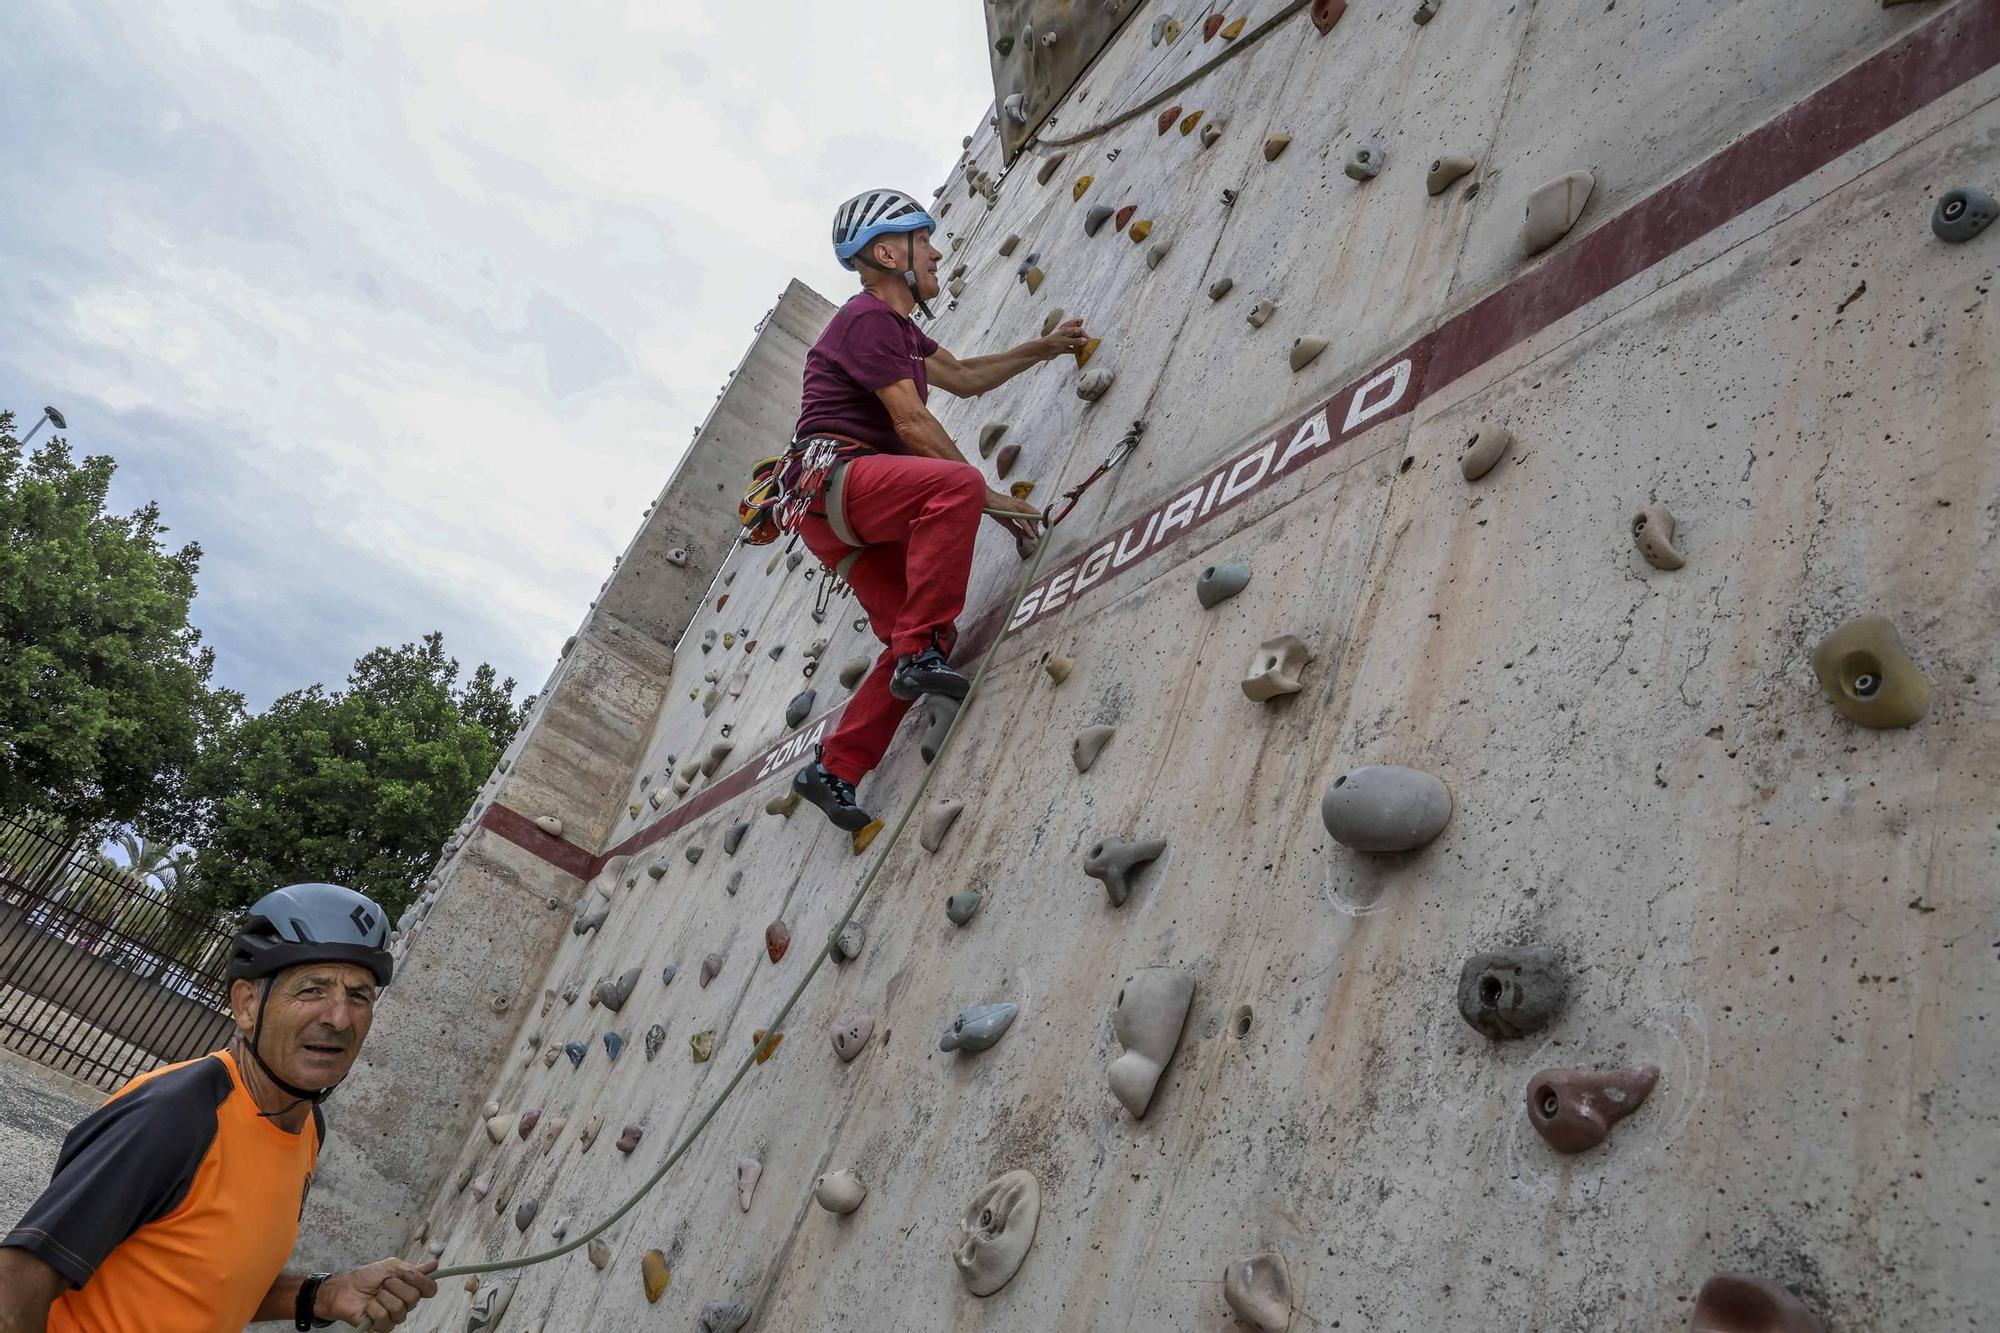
(919,518)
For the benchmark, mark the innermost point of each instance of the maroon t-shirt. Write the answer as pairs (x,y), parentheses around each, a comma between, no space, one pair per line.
(866,347)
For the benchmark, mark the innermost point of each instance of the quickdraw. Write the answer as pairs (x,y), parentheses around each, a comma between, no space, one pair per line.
(1067,501)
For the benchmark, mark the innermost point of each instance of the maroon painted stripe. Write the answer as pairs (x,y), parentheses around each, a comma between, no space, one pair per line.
(1882,90)
(520,830)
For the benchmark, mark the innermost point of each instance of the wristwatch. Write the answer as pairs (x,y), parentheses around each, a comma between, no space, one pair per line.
(308,1296)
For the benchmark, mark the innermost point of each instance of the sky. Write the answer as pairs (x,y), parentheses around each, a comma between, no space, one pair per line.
(405,312)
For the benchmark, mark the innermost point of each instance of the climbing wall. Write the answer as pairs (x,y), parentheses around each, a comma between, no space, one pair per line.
(1486,820)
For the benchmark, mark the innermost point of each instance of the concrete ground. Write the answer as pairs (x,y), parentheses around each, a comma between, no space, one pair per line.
(37,1107)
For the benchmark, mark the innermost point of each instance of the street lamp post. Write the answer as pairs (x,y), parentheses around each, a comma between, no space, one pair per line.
(48,414)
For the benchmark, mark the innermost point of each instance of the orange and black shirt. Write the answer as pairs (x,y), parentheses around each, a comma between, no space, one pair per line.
(173,1207)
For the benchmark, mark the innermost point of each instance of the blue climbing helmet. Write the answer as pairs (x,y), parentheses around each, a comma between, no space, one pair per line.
(874,213)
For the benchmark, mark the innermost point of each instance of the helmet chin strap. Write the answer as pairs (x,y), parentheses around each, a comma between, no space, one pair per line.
(292,1090)
(909,275)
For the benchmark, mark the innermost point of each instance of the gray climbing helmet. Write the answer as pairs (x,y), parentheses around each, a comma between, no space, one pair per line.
(312,923)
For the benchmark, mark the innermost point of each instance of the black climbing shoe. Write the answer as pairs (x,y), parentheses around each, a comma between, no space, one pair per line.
(927,673)
(833,795)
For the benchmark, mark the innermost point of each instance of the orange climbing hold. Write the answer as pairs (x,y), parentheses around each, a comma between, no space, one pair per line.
(1168,116)
(777,939)
(766,1048)
(1123,216)
(1326,13)
(1088,350)
(1211,26)
(865,836)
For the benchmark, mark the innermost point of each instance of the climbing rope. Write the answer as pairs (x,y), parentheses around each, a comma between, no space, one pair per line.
(773,1030)
(1188,80)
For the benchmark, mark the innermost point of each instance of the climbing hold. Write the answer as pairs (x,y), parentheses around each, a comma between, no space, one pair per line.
(657,870)
(1095,219)
(1446,170)
(840,1191)
(956,286)
(1653,531)
(488,1305)
(702,1044)
(1574,1109)
(588,1134)
(1082,184)
(653,1270)
(1326,13)
(693,855)
(989,436)
(783,803)
(1048,168)
(847,944)
(682,785)
(748,1171)
(850,1033)
(1382,808)
(732,838)
(1049,322)
(1483,449)
(1140,231)
(938,821)
(668,973)
(763,1049)
(1091,384)
(1188,122)
(711,967)
(728,638)
(1087,351)
(1259,1290)
(1007,246)
(1021,490)
(1261,313)
(1511,992)
(1172,31)
(977,1028)
(1365,162)
(1004,463)
(1033,277)
(600,1252)
(656,1037)
(575,1050)
(1172,113)
(1234,29)
(1058,668)
(1158,252)
(1211,26)
(1553,209)
(1275,670)
(1741,1303)
(1275,145)
(1113,864)
(962,906)
(1962,214)
(1866,671)
(724,1316)
(614,1042)
(1210,133)
(853,670)
(588,921)
(1147,1018)
(524,1216)
(1123,216)
(1087,745)
(628,1139)
(492,1109)
(550,825)
(1306,350)
(482,1184)
(526,1124)
(777,939)
(1159,32)
(707,640)
(1220,288)
(998,1229)
(1426,10)
(799,709)
(940,713)
(613,994)
(716,754)
(1218,583)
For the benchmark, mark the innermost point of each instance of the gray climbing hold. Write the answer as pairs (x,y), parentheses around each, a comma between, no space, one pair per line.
(792,561)
(853,670)
(989,437)
(600,1253)
(693,855)
(710,967)
(1147,1018)
(1260,314)
(1962,214)
(997,1231)
(1554,208)
(799,709)
(1512,992)
(1653,530)
(1218,583)
(1483,450)
(716,754)
(1049,323)
(588,921)
(1114,863)
(613,994)
(1007,246)
(732,838)
(657,870)
(524,1215)
(1092,384)
(571,991)
(1426,10)
(724,1316)
(748,1172)
(1447,169)
(668,973)
(941,712)
(708,639)
(783,803)
(1306,350)
(962,906)
(938,821)
(1089,743)
(1210,133)
(979,1027)
(614,1042)
(1220,288)
(1258,1289)
(847,945)
(1365,162)
(656,1037)
(1158,251)
(733,883)
(1383,808)
(777,651)
(488,1305)
(1276,145)
(840,1191)
(1276,667)
(550,825)
(1095,219)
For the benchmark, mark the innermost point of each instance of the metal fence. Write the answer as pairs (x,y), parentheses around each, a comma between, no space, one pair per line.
(101,975)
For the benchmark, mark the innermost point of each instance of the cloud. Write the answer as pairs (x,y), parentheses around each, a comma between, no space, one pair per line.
(394,308)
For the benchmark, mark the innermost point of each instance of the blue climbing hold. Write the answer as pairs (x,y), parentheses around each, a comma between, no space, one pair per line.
(575,1050)
(613,1043)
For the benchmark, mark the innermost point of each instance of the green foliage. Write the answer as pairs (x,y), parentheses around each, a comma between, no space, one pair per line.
(357,786)
(104,686)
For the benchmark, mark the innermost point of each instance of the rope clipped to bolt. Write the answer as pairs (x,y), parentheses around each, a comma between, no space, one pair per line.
(775,1028)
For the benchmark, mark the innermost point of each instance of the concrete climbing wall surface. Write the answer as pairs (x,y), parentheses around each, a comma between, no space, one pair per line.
(1701,862)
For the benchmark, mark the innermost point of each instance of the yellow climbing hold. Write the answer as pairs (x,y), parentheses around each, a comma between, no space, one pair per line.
(1050,320)
(653,1268)
(1275,145)
(1087,351)
(866,835)
(729,641)
(765,1049)
(1171,31)
(703,1045)
(1233,30)
(1021,490)
(1082,184)
(1141,230)
(1189,121)
(1034,280)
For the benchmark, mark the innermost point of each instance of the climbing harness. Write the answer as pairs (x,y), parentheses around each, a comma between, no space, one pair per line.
(774,1030)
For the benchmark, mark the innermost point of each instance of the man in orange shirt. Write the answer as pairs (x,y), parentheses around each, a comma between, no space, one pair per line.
(175,1204)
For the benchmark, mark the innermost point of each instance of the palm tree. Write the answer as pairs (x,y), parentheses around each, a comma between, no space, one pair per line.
(148,859)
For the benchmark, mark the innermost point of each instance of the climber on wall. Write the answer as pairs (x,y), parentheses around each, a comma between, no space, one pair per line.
(878,491)
(175,1204)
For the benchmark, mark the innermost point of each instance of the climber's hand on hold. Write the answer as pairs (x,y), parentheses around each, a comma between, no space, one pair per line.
(1067,340)
(1019,517)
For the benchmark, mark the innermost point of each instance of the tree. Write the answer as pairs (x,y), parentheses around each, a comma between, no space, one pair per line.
(105,701)
(357,786)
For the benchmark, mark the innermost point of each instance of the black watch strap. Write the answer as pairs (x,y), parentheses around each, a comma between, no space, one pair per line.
(309,1294)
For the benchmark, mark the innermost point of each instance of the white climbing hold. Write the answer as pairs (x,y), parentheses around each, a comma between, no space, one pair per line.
(1276,667)
(1058,668)
(1446,170)
(1151,1009)
(998,1229)
(1258,1290)
(1158,251)
(1554,208)
(1089,743)
(1483,450)
(938,821)
(1653,532)
(1306,350)
(1220,288)
(550,825)
(840,1191)
(1261,313)
(1092,384)
(748,1171)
